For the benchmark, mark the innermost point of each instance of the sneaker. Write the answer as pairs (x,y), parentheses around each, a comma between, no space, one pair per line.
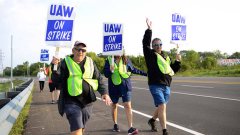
(116,128)
(132,131)
(165,132)
(152,124)
(53,102)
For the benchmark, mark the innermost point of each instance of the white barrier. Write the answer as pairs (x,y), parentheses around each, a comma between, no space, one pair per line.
(2,95)
(4,80)
(228,62)
(9,113)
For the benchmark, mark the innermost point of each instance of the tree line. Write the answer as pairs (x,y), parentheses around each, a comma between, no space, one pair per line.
(191,60)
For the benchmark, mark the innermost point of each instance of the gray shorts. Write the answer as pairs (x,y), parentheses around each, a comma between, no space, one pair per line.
(77,116)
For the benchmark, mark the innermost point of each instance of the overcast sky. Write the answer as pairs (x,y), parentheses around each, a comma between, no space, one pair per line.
(211,25)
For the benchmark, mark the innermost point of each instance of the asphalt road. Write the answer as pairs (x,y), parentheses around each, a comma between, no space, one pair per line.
(198,105)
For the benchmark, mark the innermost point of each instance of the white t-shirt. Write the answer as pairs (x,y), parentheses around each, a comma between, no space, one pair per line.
(41,76)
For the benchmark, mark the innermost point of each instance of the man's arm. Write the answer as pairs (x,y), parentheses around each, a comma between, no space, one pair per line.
(97,75)
(101,87)
(63,88)
(63,76)
(147,40)
(107,71)
(176,66)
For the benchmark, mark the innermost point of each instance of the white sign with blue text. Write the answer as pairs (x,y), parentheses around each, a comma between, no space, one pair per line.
(44,56)
(112,39)
(60,25)
(178,28)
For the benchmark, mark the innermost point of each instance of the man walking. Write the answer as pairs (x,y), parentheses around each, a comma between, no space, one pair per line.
(160,72)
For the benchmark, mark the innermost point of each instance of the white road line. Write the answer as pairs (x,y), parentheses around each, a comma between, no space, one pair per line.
(168,123)
(182,93)
(232,99)
(207,87)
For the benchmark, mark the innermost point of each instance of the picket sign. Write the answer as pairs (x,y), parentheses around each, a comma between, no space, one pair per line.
(60,27)
(112,39)
(178,30)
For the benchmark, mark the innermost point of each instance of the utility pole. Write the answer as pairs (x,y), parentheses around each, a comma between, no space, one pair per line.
(11,61)
(1,62)
(29,71)
(139,61)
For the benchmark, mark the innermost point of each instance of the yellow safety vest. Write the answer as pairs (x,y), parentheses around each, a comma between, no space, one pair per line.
(164,65)
(119,71)
(76,76)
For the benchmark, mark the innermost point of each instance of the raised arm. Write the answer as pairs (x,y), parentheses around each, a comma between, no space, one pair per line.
(147,39)
(149,23)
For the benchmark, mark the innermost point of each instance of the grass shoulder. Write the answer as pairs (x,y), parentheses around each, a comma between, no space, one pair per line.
(6,86)
(229,71)
(19,125)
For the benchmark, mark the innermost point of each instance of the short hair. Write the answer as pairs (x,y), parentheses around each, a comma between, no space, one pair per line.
(156,39)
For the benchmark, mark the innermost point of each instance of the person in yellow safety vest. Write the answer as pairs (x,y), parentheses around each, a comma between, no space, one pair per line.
(54,79)
(119,85)
(80,79)
(160,72)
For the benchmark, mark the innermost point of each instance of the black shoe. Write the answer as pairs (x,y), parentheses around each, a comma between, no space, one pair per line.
(165,132)
(152,124)
(116,128)
(132,131)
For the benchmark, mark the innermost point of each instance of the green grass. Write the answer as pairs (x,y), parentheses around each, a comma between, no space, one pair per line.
(233,71)
(19,126)
(7,86)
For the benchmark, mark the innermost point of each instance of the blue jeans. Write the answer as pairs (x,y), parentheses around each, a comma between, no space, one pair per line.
(126,97)
(160,93)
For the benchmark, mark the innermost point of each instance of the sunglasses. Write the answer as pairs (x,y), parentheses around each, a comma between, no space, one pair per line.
(155,45)
(80,49)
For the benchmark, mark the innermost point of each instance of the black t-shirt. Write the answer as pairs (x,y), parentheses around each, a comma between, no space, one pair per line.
(55,76)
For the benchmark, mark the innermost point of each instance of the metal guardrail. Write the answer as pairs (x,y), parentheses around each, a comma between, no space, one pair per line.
(9,113)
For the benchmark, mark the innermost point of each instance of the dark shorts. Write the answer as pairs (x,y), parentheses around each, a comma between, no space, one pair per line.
(77,116)
(160,93)
(54,86)
(126,97)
